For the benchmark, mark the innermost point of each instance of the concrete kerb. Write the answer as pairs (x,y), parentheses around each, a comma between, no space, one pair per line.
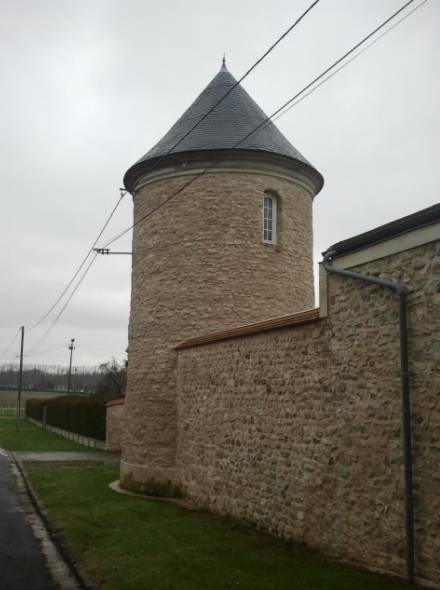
(57,537)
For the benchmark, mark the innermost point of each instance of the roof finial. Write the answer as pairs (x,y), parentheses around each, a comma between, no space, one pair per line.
(224,62)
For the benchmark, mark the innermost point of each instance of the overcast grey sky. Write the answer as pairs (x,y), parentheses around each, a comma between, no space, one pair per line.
(89,86)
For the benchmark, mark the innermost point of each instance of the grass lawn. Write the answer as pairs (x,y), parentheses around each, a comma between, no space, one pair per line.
(132,543)
(33,438)
(11,411)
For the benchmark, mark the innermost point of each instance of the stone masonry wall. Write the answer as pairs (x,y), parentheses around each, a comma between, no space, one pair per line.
(298,431)
(115,425)
(199,265)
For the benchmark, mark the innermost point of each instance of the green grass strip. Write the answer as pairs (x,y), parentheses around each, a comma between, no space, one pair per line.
(33,438)
(11,412)
(132,543)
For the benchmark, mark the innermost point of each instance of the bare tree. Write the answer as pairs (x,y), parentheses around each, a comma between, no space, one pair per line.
(114,378)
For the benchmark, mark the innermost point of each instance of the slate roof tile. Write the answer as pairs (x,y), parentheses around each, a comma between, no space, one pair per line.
(227,127)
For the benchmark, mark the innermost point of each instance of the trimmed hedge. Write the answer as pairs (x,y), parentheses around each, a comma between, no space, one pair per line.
(82,415)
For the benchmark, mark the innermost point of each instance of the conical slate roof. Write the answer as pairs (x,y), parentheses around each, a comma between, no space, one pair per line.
(228,126)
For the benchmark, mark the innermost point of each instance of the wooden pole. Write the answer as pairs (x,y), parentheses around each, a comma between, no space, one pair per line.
(71,348)
(20,380)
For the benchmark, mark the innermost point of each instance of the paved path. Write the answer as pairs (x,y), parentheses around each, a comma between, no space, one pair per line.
(28,558)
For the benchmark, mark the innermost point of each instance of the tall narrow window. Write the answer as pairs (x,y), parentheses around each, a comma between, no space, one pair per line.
(269,218)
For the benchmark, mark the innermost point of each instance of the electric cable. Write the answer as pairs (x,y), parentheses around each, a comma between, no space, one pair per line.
(233,87)
(174,147)
(113,239)
(349,61)
(81,265)
(64,307)
(269,119)
(265,122)
(157,162)
(44,351)
(13,340)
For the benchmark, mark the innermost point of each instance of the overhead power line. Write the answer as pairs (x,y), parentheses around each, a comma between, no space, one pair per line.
(157,162)
(64,307)
(233,87)
(278,112)
(265,122)
(337,62)
(81,265)
(349,61)
(12,342)
(104,249)
(45,351)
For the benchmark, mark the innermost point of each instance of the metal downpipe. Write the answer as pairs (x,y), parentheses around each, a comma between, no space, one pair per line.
(406,413)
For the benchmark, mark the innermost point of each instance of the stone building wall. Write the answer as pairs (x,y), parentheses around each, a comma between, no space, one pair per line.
(298,431)
(199,264)
(115,425)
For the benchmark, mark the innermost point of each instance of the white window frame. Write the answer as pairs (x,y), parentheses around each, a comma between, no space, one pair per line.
(269,218)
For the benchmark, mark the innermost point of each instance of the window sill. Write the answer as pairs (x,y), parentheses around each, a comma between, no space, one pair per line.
(272,246)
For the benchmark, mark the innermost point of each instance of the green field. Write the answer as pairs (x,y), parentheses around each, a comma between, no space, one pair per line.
(10,397)
(11,411)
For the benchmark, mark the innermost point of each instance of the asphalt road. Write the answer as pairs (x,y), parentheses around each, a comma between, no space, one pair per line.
(23,556)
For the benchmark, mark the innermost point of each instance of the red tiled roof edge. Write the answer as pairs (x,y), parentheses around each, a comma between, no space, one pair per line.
(302,317)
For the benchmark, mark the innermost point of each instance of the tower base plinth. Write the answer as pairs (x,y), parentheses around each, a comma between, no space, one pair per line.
(161,482)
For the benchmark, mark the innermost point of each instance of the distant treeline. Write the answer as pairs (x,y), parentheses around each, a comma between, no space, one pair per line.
(50,378)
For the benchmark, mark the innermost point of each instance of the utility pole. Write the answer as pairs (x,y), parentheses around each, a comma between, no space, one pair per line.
(20,379)
(74,379)
(71,348)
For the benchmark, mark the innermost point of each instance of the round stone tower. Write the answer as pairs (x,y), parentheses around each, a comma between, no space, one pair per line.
(222,238)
